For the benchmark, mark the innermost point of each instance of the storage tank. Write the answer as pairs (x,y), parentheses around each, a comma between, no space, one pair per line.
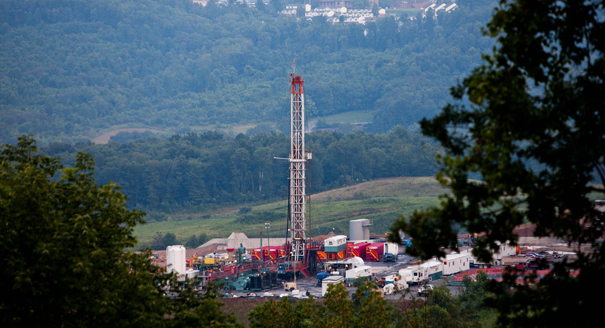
(176,260)
(356,261)
(359,229)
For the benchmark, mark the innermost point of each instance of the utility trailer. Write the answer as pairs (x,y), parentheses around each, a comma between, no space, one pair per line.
(375,252)
(359,272)
(433,270)
(359,249)
(455,263)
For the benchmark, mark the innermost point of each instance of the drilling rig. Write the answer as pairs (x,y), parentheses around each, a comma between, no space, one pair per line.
(297,178)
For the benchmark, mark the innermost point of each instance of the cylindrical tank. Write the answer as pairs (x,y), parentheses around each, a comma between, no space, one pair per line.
(366,229)
(359,229)
(356,230)
(176,259)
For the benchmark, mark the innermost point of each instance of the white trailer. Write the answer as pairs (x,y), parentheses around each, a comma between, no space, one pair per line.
(505,249)
(391,248)
(407,275)
(454,263)
(359,272)
(413,274)
(394,284)
(432,269)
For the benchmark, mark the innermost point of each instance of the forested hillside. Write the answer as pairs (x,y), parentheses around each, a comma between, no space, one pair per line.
(201,172)
(71,68)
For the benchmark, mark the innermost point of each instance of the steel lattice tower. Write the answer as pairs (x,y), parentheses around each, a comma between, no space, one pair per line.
(297,169)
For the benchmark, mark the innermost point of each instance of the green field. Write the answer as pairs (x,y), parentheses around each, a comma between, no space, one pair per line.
(359,116)
(381,201)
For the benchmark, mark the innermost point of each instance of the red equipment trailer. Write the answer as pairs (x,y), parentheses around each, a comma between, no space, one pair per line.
(273,252)
(374,252)
(359,250)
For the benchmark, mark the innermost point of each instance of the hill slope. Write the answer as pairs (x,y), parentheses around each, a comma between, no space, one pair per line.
(70,69)
(379,200)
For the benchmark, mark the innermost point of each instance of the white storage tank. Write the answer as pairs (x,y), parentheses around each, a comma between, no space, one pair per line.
(176,260)
(356,261)
(359,229)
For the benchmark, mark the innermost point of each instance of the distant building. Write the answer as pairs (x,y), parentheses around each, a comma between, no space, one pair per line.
(334,15)
(451,7)
(335,3)
(201,2)
(419,5)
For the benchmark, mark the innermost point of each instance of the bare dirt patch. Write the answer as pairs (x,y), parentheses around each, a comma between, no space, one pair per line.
(104,138)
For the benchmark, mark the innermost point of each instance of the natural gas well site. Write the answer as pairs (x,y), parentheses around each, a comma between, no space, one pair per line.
(300,265)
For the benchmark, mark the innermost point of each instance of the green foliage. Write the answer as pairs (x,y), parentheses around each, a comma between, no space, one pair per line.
(161,241)
(245,209)
(199,171)
(95,64)
(367,309)
(195,241)
(441,309)
(62,241)
(260,217)
(124,137)
(358,282)
(538,99)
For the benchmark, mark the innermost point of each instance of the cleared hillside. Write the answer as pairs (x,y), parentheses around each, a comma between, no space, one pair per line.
(381,201)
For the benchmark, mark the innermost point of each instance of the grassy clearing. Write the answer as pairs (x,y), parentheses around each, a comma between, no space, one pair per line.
(381,201)
(230,129)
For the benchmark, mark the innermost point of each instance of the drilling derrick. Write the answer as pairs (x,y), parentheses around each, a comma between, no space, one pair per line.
(297,169)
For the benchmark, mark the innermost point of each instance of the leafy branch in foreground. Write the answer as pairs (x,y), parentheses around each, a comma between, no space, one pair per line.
(529,121)
(62,241)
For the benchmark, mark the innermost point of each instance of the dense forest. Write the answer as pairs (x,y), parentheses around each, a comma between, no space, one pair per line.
(199,171)
(72,68)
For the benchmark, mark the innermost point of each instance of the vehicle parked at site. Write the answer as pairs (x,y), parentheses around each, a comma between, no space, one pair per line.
(520,266)
(425,289)
(290,286)
(388,257)
(321,276)
(537,264)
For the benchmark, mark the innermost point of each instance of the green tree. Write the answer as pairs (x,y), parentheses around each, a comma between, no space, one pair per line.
(157,242)
(260,5)
(170,239)
(529,122)
(62,242)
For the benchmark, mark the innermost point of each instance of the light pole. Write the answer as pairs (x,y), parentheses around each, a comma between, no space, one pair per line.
(267,227)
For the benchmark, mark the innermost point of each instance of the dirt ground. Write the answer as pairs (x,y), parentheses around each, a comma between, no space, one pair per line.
(241,307)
